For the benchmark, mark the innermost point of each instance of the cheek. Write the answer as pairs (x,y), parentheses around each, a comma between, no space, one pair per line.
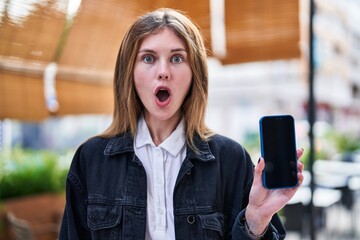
(189,79)
(139,80)
(137,76)
(141,89)
(186,86)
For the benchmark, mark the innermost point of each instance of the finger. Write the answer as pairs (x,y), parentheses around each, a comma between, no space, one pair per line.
(300,178)
(299,152)
(300,166)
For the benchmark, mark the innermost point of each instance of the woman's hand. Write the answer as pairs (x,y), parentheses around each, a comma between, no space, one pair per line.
(264,203)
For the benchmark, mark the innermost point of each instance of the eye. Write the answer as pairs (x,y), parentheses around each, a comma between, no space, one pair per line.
(148,59)
(177,59)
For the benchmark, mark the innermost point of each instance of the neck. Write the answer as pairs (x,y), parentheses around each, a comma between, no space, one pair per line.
(161,130)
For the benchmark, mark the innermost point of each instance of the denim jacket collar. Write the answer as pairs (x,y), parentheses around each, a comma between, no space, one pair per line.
(125,143)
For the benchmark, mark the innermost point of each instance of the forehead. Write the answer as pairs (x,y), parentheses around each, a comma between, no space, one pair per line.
(164,37)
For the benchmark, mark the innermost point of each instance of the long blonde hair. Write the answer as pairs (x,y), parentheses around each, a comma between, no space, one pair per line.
(127,105)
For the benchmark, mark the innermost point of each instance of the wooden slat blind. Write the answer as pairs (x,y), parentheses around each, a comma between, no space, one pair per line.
(259,30)
(255,31)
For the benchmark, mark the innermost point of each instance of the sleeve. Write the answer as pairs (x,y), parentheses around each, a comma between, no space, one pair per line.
(74,224)
(275,230)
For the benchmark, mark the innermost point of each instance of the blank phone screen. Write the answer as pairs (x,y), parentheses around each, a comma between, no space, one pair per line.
(278,148)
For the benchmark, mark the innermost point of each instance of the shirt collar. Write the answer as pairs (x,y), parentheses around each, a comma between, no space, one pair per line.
(123,143)
(173,144)
(143,136)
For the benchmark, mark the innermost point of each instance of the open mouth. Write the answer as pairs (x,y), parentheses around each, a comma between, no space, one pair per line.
(162,95)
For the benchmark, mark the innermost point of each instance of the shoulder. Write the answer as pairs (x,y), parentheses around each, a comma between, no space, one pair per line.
(225,144)
(108,145)
(95,142)
(96,152)
(99,147)
(234,161)
(92,146)
(229,152)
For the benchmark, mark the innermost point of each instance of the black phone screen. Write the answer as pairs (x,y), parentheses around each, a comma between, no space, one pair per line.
(278,148)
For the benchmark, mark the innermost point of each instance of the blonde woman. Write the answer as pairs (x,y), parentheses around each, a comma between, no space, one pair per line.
(158,172)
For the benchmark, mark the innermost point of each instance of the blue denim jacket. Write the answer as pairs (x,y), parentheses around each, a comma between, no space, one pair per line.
(106,192)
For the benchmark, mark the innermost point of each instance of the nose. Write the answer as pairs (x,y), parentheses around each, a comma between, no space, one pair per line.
(163,76)
(163,71)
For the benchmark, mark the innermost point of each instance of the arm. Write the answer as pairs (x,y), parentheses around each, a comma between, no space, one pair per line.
(275,229)
(74,226)
(264,203)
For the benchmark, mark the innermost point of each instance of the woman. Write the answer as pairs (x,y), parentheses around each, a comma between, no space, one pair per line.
(158,172)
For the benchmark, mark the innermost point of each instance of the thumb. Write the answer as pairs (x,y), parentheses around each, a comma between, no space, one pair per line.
(258,170)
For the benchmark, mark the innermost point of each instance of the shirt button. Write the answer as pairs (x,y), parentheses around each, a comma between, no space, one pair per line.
(191,219)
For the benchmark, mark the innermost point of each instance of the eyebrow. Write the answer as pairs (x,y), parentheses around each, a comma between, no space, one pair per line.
(172,50)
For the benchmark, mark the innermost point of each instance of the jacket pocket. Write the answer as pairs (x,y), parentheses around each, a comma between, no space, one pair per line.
(104,221)
(212,225)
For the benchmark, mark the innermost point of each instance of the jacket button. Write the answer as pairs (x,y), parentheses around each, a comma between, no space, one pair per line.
(188,172)
(191,219)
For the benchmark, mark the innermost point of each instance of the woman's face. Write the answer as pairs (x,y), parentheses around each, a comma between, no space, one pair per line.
(162,75)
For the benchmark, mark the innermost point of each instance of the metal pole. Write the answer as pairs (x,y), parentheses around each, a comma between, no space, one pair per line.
(312,117)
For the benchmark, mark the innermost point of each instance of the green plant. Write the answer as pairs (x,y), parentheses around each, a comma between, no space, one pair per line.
(346,142)
(27,172)
(318,154)
(252,144)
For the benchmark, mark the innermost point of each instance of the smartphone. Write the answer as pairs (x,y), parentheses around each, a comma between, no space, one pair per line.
(278,149)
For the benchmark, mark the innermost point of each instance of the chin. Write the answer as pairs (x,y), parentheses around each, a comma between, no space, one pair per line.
(167,116)
(163,114)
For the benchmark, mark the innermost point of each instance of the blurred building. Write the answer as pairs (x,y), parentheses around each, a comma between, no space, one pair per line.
(240,94)
(337,46)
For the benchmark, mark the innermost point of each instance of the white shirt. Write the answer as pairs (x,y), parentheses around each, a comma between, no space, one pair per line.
(162,165)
